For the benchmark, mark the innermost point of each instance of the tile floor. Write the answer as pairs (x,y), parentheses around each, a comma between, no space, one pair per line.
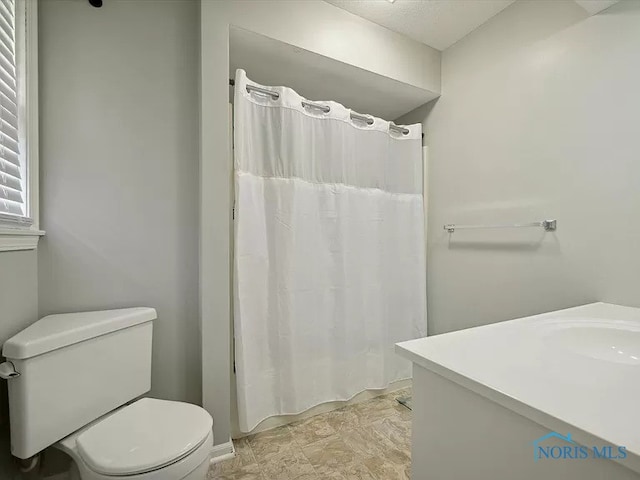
(368,441)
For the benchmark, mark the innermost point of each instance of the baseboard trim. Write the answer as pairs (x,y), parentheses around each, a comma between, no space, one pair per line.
(223,451)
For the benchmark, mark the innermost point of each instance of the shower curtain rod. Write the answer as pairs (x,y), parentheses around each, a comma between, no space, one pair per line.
(324,108)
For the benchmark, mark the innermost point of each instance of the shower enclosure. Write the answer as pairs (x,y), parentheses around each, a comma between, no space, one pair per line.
(329,251)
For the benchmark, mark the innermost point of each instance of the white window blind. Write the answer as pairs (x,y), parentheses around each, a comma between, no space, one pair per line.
(13,191)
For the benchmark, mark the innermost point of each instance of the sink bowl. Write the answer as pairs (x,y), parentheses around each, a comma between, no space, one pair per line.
(616,342)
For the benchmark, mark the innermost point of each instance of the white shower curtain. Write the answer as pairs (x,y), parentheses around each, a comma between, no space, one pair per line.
(329,253)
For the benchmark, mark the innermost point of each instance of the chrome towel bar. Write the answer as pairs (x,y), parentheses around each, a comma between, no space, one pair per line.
(548,225)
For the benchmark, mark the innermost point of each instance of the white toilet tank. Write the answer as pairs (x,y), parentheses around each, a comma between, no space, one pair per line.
(74,368)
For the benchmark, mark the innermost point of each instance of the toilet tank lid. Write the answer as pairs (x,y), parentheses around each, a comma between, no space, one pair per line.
(57,331)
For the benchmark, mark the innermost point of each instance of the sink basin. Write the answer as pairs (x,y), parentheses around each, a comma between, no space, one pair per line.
(617,342)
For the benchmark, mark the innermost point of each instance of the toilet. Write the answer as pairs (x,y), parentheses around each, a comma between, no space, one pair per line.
(74,384)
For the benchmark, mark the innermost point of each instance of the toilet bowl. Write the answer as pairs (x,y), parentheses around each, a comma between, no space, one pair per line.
(75,382)
(148,440)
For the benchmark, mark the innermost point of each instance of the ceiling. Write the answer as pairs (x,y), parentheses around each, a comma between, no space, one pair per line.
(595,6)
(437,23)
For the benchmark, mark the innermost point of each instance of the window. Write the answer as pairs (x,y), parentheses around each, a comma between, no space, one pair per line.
(18,125)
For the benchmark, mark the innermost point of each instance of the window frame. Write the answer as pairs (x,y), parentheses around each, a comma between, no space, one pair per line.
(13,234)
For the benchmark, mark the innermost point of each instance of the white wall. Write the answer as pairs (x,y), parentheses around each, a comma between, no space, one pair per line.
(119,179)
(538,119)
(18,293)
(18,309)
(315,26)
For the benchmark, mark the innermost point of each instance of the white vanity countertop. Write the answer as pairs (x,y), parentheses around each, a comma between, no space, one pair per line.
(575,370)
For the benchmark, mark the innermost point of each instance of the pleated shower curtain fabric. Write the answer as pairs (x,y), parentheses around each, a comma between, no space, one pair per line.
(329,255)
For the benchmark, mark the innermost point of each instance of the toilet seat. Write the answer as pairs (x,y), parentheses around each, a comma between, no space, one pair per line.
(143,440)
(143,436)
